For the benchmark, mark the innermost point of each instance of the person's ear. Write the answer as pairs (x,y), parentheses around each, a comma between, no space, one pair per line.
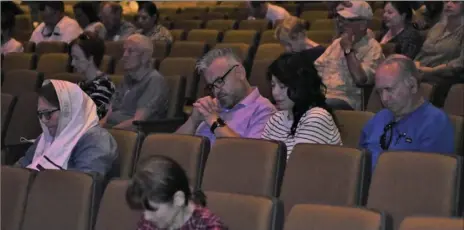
(241,73)
(412,84)
(179,199)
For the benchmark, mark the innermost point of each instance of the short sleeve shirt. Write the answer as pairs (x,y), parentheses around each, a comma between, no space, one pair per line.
(66,30)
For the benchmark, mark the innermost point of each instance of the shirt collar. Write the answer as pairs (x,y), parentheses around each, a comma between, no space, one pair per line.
(248,100)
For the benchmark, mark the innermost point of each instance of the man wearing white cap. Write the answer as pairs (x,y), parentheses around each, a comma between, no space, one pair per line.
(350,61)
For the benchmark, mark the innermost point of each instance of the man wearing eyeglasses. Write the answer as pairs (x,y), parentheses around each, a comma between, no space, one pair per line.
(55,26)
(234,109)
(350,61)
(408,122)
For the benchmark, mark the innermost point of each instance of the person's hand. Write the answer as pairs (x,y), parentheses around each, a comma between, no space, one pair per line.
(418,65)
(419,22)
(208,108)
(347,40)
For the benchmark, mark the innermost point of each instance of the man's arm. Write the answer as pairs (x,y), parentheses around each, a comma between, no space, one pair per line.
(437,136)
(140,115)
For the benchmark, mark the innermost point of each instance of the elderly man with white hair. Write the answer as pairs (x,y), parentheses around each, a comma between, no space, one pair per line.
(144,92)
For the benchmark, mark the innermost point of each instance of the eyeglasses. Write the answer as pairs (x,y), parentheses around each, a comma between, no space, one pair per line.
(387,134)
(219,82)
(47,113)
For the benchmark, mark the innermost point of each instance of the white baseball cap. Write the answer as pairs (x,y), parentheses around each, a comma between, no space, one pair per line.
(358,9)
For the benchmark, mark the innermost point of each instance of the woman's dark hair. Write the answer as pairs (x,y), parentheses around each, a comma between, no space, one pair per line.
(157,179)
(90,9)
(56,5)
(256,4)
(402,8)
(91,45)
(150,8)
(305,88)
(9,12)
(49,93)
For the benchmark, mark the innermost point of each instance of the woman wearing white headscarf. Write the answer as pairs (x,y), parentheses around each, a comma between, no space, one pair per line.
(71,138)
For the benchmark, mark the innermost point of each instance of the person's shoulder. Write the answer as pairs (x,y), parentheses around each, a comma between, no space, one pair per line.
(264,103)
(434,114)
(96,134)
(277,117)
(316,113)
(206,218)
(67,22)
(381,116)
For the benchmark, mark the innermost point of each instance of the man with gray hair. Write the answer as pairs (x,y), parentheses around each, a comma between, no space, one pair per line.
(144,92)
(116,28)
(234,109)
(408,122)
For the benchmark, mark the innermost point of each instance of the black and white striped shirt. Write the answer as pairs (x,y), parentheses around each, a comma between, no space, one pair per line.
(316,126)
(101,90)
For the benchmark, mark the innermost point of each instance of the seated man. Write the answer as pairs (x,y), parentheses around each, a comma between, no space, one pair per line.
(55,26)
(265,10)
(350,60)
(144,92)
(408,122)
(116,28)
(237,109)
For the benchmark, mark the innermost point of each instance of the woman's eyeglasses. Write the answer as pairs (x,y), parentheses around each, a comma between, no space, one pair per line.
(47,114)
(387,136)
(219,82)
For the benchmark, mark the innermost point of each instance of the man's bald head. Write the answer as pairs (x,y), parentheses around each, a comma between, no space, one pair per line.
(405,65)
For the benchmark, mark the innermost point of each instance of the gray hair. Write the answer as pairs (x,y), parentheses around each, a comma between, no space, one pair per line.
(205,61)
(142,42)
(406,65)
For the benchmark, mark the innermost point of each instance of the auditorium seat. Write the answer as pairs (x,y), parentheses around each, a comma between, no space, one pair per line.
(71,77)
(269,51)
(46,47)
(455,100)
(268,37)
(187,25)
(313,15)
(188,49)
(29,47)
(249,37)
(107,64)
(414,184)
(323,24)
(325,174)
(114,213)
(170,67)
(210,37)
(128,146)
(239,211)
(350,124)
(190,152)
(19,61)
(176,96)
(161,50)
(52,63)
(15,186)
(178,34)
(60,199)
(221,25)
(114,49)
(458,124)
(321,36)
(18,82)
(8,102)
(258,25)
(432,223)
(313,216)
(259,77)
(240,49)
(247,166)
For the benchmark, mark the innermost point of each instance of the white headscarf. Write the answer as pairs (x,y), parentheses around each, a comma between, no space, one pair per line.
(78,114)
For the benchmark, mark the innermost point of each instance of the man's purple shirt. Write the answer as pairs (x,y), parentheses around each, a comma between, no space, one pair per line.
(248,118)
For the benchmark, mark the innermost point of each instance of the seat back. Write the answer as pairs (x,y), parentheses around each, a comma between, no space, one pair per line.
(53,63)
(412,183)
(458,124)
(46,47)
(114,213)
(321,36)
(8,102)
(325,174)
(221,25)
(351,124)
(170,67)
(334,218)
(322,24)
(128,143)
(432,223)
(71,77)
(19,61)
(69,198)
(188,25)
(248,37)
(178,35)
(239,211)
(269,51)
(240,49)
(15,186)
(258,25)
(114,49)
(161,50)
(190,152)
(454,100)
(188,49)
(268,37)
(251,166)
(176,86)
(209,36)
(258,77)
(18,82)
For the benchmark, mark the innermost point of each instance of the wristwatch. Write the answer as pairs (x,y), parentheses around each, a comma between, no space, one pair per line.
(218,123)
(348,51)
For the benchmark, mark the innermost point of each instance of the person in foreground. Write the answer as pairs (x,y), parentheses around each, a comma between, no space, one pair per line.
(71,138)
(237,109)
(161,189)
(408,122)
(304,116)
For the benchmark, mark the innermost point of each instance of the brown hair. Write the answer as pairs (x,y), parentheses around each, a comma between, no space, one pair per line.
(91,45)
(49,93)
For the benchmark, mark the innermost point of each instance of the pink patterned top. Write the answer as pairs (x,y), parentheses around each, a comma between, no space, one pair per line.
(201,219)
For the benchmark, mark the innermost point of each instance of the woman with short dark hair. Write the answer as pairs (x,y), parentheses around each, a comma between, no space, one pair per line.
(87,52)
(303,116)
(160,188)
(397,17)
(86,14)
(148,22)
(9,44)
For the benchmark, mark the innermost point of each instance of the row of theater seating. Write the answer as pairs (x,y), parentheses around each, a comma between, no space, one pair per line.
(249,184)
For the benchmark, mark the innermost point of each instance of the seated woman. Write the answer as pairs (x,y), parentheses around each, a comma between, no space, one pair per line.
(161,189)
(86,14)
(87,53)
(303,116)
(291,33)
(71,138)
(147,21)
(9,44)
(442,54)
(397,17)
